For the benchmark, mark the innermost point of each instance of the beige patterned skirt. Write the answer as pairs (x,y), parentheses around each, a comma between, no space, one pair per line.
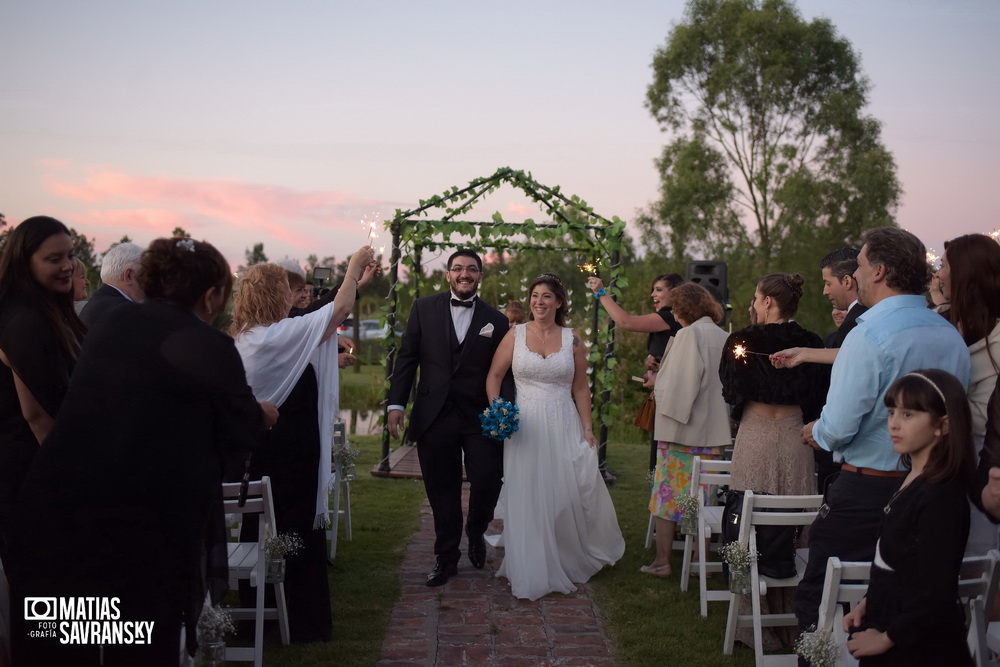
(769,456)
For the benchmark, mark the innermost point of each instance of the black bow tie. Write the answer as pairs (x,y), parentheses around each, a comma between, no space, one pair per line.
(463,304)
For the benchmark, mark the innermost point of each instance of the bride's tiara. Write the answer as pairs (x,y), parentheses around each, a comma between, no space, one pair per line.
(550,276)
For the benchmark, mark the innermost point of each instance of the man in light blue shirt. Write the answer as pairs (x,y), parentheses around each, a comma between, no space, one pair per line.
(897,335)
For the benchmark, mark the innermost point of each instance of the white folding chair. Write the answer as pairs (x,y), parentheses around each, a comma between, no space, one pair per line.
(341,490)
(846,582)
(247,561)
(780,511)
(705,473)
(977,586)
(4,618)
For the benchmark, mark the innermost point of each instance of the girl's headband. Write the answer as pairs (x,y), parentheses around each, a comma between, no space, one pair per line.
(931,383)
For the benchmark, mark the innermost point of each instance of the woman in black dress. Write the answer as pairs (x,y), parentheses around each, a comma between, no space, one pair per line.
(40,336)
(124,498)
(911,614)
(292,361)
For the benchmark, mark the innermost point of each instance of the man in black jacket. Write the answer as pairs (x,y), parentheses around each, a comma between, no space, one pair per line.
(452,337)
(119,269)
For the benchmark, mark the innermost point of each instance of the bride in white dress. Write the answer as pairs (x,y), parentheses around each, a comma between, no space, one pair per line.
(559,524)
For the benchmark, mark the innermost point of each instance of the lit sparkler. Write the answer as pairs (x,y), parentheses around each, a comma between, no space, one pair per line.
(933,259)
(373,227)
(741,352)
(995,235)
(587,269)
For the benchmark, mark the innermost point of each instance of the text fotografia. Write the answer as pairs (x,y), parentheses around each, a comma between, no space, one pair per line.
(84,620)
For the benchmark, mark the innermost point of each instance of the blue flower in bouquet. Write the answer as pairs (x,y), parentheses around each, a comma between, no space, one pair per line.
(500,420)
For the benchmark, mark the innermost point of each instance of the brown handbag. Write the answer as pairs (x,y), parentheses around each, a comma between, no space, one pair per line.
(647,415)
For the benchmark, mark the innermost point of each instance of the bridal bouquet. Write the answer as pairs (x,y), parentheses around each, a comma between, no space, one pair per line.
(500,420)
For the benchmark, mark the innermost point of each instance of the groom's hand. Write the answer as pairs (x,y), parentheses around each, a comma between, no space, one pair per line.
(396,423)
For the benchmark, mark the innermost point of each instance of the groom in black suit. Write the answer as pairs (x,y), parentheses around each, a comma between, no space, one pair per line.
(452,337)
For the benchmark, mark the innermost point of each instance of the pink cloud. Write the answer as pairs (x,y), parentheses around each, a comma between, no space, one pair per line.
(522,210)
(120,202)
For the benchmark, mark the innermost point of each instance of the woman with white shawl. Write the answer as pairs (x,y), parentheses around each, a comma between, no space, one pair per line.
(293,362)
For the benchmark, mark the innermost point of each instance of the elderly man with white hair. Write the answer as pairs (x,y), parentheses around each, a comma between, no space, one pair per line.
(118,273)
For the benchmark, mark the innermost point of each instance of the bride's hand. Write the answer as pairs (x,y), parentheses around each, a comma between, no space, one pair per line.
(588,435)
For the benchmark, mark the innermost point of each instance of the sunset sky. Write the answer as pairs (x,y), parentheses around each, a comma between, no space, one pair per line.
(287,123)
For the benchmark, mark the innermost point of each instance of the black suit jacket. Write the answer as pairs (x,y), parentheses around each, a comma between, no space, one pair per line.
(836,339)
(427,343)
(104,299)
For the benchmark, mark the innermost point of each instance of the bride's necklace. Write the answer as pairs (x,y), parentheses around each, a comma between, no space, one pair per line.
(541,337)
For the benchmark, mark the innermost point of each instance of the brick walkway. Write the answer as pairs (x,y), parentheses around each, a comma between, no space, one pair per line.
(474,619)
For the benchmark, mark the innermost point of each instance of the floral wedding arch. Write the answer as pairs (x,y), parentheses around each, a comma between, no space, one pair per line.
(574,228)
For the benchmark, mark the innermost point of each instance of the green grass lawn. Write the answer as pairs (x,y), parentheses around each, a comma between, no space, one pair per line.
(649,620)
(363,581)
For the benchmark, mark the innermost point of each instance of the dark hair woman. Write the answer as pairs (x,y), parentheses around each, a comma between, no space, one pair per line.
(661,326)
(559,523)
(970,280)
(771,405)
(40,336)
(130,474)
(911,613)
(292,361)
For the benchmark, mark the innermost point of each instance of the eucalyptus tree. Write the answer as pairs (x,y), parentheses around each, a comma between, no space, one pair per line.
(772,160)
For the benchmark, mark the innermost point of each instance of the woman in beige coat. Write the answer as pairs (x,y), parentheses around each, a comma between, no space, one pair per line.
(691,417)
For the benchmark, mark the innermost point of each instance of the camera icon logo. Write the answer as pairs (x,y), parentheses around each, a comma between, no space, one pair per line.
(40,609)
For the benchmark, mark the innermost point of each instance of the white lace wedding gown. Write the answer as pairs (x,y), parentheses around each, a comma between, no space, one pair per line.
(559,524)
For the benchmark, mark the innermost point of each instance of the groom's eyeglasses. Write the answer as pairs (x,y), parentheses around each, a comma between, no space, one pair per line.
(471,270)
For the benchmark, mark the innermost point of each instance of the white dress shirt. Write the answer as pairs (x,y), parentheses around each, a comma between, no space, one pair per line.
(461,317)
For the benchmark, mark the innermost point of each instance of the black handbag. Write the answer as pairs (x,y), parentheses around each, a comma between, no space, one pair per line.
(775,544)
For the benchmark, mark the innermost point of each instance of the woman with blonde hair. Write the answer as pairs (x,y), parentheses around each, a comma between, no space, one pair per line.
(292,361)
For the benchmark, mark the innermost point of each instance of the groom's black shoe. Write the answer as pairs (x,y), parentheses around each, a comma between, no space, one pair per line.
(441,573)
(477,550)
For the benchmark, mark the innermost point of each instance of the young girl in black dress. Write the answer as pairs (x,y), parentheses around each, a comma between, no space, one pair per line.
(911,614)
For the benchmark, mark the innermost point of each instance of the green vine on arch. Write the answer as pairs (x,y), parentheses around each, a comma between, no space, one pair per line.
(573,227)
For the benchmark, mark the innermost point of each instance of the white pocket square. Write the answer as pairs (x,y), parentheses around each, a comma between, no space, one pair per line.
(487,331)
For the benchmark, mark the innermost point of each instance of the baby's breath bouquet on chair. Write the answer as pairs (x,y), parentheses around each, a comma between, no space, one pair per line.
(688,505)
(818,648)
(737,556)
(500,420)
(275,549)
(346,459)
(214,624)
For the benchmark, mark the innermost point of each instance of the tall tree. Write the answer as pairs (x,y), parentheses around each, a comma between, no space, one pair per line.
(181,232)
(255,255)
(773,161)
(83,248)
